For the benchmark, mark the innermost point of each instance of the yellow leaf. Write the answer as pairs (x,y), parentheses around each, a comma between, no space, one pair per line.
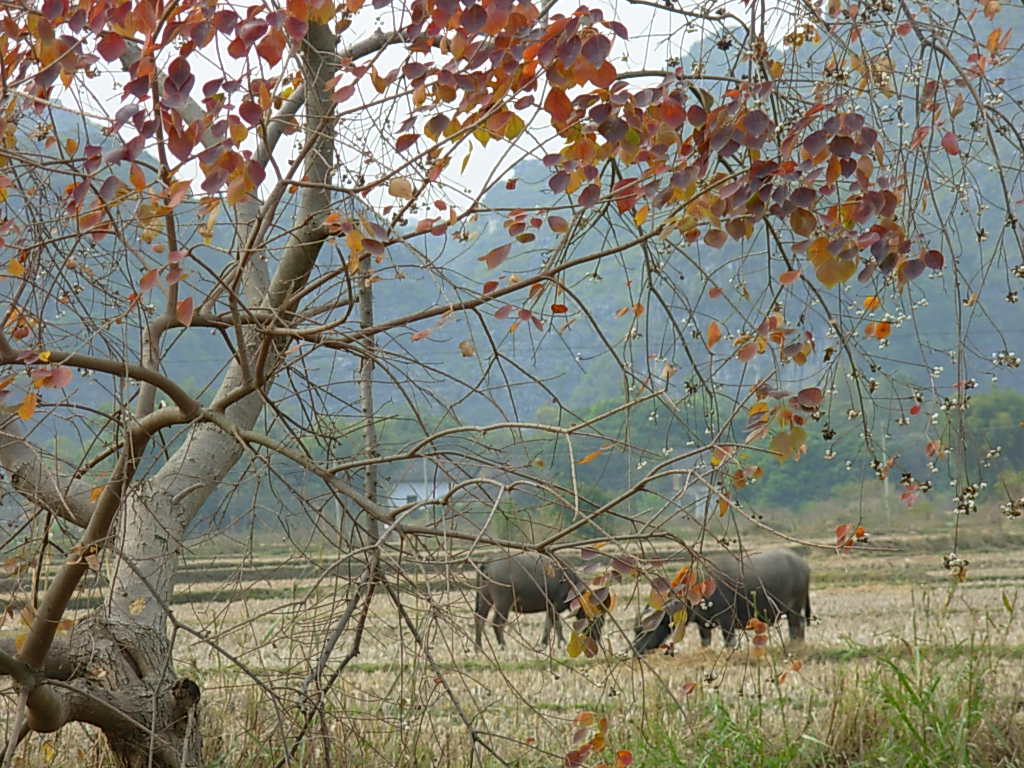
(15,267)
(401,187)
(787,445)
(354,241)
(641,215)
(96,492)
(575,647)
(137,606)
(44,356)
(679,622)
(238,131)
(70,146)
(514,127)
(19,642)
(49,752)
(28,406)
(321,14)
(353,262)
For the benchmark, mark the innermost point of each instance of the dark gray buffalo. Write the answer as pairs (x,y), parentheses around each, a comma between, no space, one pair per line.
(528,582)
(763,586)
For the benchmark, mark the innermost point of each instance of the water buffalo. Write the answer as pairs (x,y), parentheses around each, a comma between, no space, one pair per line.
(528,582)
(762,586)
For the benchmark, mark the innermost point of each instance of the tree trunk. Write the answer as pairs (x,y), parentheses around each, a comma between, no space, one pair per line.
(118,677)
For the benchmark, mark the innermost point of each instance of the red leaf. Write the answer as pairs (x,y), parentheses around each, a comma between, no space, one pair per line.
(810,397)
(557,105)
(494,257)
(184,312)
(111,46)
(803,222)
(919,134)
(473,19)
(559,309)
(590,195)
(148,280)
(558,224)
(715,238)
(626,192)
(933,259)
(406,141)
(596,49)
(672,112)
(915,409)
(490,286)
(950,143)
(250,112)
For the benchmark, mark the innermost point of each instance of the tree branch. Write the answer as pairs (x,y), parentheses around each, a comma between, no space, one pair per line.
(34,478)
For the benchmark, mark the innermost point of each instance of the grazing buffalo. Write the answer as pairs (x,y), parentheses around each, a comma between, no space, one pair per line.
(763,586)
(529,582)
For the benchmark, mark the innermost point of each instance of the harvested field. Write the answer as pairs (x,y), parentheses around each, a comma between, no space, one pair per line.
(897,653)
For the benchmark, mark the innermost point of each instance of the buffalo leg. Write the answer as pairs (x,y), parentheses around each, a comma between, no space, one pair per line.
(796,626)
(729,636)
(705,634)
(553,620)
(501,609)
(483,608)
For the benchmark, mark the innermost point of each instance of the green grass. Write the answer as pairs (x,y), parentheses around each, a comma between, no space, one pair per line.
(912,709)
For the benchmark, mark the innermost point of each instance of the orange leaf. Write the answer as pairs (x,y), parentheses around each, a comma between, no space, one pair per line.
(584,719)
(871,303)
(790,277)
(422,334)
(593,454)
(137,177)
(714,334)
(184,312)
(557,105)
(15,267)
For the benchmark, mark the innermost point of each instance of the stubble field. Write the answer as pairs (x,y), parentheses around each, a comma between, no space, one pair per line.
(901,667)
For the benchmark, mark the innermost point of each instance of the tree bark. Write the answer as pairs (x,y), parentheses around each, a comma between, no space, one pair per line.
(159,510)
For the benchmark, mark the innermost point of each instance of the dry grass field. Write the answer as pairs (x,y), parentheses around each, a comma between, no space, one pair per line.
(901,667)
